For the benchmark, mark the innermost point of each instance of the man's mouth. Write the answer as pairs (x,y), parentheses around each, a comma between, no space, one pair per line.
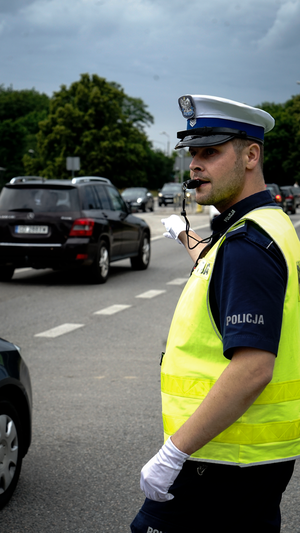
(199,182)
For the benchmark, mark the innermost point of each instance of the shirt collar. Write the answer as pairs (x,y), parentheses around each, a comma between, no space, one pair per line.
(225,220)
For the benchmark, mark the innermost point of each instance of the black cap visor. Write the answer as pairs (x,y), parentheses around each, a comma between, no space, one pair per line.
(208,136)
(199,140)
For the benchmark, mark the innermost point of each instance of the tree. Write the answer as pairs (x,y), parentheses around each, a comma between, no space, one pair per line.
(282,155)
(292,164)
(98,122)
(160,169)
(20,113)
(12,142)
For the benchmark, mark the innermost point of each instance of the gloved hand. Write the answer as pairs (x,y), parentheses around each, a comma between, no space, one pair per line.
(160,472)
(174,225)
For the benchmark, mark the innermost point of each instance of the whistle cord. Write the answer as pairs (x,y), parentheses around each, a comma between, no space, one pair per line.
(209,240)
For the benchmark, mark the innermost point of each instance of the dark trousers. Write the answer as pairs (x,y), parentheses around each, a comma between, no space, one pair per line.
(212,498)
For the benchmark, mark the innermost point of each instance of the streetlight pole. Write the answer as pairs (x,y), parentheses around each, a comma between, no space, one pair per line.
(168,144)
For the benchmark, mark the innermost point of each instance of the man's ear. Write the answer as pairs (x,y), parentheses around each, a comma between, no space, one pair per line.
(253,156)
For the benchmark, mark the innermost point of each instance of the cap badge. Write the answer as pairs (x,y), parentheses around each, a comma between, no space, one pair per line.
(186,106)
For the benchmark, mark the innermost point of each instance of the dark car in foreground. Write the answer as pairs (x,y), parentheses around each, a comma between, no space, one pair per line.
(171,193)
(15,417)
(61,224)
(138,198)
(289,199)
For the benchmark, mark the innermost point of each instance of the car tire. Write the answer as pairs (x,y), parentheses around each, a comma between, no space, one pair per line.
(6,273)
(99,271)
(11,438)
(142,260)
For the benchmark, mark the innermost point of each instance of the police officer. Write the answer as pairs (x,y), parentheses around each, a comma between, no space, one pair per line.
(230,377)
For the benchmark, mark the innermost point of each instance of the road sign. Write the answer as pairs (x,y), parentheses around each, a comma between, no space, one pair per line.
(73,163)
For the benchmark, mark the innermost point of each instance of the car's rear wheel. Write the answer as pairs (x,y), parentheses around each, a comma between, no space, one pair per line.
(142,260)
(99,270)
(10,450)
(6,273)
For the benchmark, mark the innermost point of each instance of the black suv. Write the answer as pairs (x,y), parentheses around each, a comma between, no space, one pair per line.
(65,223)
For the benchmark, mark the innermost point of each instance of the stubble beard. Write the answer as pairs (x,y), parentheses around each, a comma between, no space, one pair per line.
(221,196)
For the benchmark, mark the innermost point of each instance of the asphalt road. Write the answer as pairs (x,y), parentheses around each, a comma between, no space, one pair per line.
(96,417)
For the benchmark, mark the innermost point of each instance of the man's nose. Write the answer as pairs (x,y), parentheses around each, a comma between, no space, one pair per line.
(195,164)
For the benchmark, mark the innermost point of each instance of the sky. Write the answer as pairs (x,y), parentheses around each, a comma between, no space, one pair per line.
(157,50)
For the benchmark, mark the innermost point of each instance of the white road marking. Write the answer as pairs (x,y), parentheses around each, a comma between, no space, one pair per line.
(178,281)
(59,330)
(150,294)
(112,309)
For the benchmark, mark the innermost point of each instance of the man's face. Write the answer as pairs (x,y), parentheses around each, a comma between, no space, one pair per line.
(222,172)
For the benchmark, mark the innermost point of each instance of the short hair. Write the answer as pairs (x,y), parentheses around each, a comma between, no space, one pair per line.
(240,144)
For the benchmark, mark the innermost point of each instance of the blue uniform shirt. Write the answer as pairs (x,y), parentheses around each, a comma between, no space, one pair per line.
(248,282)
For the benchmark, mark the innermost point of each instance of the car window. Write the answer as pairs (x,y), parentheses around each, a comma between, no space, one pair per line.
(102,197)
(89,199)
(39,200)
(117,201)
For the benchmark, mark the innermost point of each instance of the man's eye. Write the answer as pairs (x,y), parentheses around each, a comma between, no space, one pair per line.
(210,151)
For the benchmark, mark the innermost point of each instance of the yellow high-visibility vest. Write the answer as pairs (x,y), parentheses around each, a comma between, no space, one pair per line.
(269,430)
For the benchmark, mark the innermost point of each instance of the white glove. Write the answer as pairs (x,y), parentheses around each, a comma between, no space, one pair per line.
(160,472)
(174,225)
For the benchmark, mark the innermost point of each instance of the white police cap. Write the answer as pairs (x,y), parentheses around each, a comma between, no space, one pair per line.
(212,120)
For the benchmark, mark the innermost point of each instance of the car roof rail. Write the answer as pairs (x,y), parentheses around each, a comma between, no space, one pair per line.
(83,179)
(20,179)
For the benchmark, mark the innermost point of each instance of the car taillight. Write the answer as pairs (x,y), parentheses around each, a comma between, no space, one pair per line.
(278,198)
(290,197)
(82,227)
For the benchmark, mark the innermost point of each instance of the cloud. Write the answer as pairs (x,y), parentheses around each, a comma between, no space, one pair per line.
(12,6)
(155,49)
(285,30)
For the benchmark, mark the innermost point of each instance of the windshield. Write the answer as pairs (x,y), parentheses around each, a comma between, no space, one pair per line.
(133,192)
(172,187)
(39,200)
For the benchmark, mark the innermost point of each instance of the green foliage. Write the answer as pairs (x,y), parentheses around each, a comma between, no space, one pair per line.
(20,113)
(98,122)
(160,169)
(12,142)
(17,104)
(282,157)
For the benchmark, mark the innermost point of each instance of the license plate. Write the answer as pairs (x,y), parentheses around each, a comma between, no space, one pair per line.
(32,230)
